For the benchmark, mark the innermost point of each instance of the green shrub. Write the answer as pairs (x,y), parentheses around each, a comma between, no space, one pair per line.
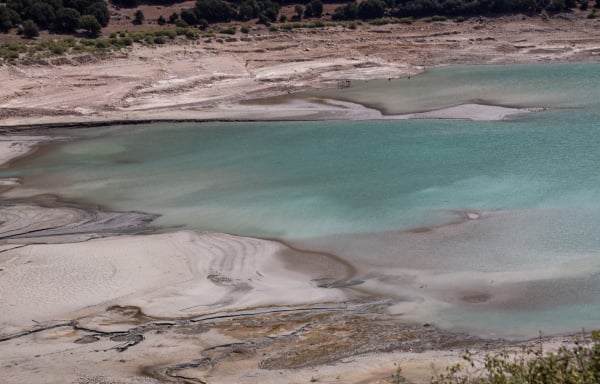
(30,29)
(579,364)
(137,37)
(87,42)
(191,34)
(245,29)
(90,24)
(181,31)
(102,44)
(179,23)
(228,31)
(57,47)
(8,55)
(391,20)
(171,34)
(126,41)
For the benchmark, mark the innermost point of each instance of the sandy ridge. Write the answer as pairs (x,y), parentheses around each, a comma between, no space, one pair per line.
(168,275)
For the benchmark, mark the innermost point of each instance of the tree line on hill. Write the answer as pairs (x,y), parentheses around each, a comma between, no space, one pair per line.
(68,16)
(268,10)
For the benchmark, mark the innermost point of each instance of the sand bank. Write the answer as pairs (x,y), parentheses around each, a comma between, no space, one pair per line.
(171,275)
(15,146)
(312,108)
(210,80)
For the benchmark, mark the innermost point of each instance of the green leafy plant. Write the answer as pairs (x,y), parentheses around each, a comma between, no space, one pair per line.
(577,364)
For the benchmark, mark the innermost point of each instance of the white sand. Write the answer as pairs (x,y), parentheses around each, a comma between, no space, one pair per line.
(175,274)
(316,108)
(470,112)
(15,146)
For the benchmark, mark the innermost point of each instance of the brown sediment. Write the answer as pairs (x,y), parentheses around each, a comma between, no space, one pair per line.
(46,217)
(265,341)
(330,269)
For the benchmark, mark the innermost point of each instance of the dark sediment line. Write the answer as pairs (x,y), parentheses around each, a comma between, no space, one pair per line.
(48,217)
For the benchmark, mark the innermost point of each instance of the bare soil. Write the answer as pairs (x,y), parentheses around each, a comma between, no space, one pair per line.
(207,79)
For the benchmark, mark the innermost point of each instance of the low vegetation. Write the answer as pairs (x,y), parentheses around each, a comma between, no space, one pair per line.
(38,50)
(579,364)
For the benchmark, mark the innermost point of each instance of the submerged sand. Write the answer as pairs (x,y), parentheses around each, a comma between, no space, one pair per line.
(84,300)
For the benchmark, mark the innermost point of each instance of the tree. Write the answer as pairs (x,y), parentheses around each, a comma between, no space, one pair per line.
(308,11)
(346,12)
(299,9)
(42,14)
(189,16)
(161,20)
(99,11)
(269,9)
(214,10)
(5,19)
(138,17)
(371,9)
(556,6)
(30,29)
(126,3)
(317,8)
(67,19)
(247,10)
(90,24)
(173,18)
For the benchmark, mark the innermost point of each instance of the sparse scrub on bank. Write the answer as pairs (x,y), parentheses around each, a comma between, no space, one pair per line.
(231,30)
(434,18)
(312,24)
(392,20)
(577,364)
(35,50)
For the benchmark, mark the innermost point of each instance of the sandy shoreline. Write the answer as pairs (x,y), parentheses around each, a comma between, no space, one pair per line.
(137,309)
(102,307)
(211,80)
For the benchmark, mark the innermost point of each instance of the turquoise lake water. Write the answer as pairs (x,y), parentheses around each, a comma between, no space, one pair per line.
(335,186)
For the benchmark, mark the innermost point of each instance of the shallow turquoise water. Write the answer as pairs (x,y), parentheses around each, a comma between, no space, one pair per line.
(526,85)
(306,180)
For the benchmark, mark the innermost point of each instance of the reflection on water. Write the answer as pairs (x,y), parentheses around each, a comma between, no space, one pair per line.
(381,193)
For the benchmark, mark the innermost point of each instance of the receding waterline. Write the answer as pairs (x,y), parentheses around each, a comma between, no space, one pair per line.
(525,259)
